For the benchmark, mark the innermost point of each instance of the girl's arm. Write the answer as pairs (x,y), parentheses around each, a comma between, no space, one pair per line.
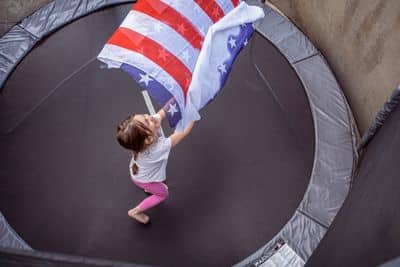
(176,137)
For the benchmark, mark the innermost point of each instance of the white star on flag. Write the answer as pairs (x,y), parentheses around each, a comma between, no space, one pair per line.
(232,42)
(145,79)
(158,27)
(169,86)
(222,68)
(185,56)
(198,9)
(167,82)
(145,30)
(179,2)
(245,42)
(202,30)
(172,109)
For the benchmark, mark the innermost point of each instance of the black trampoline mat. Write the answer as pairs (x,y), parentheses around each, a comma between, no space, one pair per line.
(234,182)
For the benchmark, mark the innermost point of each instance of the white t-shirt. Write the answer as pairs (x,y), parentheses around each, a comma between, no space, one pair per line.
(152,162)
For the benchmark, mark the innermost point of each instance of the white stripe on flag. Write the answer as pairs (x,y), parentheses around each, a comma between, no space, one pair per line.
(114,56)
(215,53)
(163,35)
(225,5)
(200,20)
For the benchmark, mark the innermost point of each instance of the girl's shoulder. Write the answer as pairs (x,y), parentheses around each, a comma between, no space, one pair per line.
(163,144)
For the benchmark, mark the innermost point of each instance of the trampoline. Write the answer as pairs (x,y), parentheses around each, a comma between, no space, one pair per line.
(234,183)
(368,221)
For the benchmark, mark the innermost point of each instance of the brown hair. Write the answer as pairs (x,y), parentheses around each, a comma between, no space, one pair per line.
(131,134)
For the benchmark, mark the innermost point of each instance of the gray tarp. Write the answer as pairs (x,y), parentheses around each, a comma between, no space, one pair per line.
(384,113)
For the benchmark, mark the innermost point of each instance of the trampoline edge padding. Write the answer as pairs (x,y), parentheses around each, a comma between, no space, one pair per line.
(17,43)
(336,136)
(9,238)
(16,257)
(21,38)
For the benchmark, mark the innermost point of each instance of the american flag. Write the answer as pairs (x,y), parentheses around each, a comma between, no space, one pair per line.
(181,51)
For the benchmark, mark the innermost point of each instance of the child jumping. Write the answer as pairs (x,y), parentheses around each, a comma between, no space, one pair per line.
(141,134)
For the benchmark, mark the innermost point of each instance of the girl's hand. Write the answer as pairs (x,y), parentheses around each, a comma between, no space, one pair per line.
(162,114)
(177,137)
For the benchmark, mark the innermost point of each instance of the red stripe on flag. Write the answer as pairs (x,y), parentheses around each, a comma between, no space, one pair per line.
(212,9)
(136,42)
(235,2)
(169,16)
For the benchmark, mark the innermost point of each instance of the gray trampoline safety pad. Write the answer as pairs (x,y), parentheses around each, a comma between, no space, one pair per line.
(8,238)
(15,44)
(333,161)
(335,155)
(285,35)
(58,13)
(284,257)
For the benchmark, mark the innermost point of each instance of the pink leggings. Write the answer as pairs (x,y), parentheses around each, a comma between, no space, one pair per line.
(159,193)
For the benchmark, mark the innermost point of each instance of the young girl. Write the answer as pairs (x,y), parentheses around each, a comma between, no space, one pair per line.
(141,134)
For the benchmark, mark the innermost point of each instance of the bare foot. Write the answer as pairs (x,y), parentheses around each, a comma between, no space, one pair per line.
(139,216)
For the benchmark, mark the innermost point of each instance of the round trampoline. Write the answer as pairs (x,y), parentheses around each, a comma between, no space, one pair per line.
(234,183)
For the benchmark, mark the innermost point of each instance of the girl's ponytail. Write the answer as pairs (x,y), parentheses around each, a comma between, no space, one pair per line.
(135,167)
(131,135)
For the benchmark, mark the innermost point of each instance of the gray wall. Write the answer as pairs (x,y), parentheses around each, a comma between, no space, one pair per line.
(361,41)
(359,38)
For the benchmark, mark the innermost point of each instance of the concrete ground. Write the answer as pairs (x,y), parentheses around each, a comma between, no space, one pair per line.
(359,38)
(361,41)
(12,11)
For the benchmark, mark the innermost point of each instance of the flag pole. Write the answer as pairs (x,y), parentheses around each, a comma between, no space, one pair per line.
(150,106)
